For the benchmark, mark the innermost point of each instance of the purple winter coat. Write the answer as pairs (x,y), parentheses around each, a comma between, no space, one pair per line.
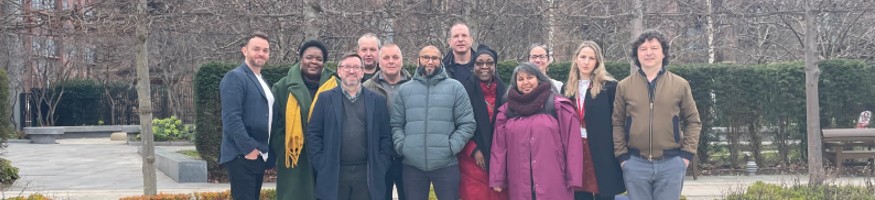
(536,148)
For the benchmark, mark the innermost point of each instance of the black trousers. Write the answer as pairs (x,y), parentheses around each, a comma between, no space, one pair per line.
(445,181)
(393,178)
(353,183)
(590,196)
(246,177)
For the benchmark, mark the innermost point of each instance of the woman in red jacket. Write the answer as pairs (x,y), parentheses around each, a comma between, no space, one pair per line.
(484,89)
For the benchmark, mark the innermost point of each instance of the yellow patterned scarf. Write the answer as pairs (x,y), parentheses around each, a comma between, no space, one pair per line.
(294,125)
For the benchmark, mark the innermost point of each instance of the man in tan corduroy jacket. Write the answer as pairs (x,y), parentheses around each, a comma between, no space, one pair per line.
(649,109)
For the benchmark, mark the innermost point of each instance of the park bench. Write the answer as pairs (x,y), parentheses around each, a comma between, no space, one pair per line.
(48,134)
(843,144)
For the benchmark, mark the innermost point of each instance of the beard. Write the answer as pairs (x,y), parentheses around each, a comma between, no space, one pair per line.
(372,65)
(428,71)
(257,62)
(351,83)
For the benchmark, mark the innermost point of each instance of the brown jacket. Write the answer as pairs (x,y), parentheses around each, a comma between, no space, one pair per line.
(647,117)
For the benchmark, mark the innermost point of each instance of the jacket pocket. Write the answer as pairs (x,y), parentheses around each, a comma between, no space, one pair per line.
(677,129)
(628,127)
(452,151)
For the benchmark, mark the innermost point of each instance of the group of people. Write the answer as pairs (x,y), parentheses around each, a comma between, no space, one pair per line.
(453,124)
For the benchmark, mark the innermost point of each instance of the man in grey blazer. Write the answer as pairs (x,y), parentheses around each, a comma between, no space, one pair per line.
(247,113)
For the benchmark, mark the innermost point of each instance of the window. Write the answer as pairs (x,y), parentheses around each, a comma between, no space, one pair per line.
(90,56)
(17,10)
(44,47)
(42,4)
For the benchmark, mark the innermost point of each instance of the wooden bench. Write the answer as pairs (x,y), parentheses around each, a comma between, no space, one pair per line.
(843,144)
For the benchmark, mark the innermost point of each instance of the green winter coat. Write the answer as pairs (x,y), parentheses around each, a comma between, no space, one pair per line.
(297,182)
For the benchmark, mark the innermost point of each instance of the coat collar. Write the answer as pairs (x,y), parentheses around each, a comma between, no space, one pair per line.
(251,75)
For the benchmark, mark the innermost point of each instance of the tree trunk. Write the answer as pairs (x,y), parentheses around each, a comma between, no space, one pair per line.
(471,20)
(734,145)
(781,140)
(637,25)
(551,27)
(812,74)
(144,91)
(388,27)
(709,30)
(755,143)
(311,20)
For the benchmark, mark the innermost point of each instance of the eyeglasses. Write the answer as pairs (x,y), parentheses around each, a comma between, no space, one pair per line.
(430,58)
(538,57)
(351,68)
(484,64)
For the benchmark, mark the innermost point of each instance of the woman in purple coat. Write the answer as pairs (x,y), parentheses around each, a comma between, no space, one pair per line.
(536,153)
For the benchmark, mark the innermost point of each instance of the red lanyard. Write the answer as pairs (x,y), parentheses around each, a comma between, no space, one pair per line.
(581,110)
(581,106)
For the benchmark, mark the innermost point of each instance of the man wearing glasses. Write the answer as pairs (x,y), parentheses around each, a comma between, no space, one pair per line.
(431,121)
(348,139)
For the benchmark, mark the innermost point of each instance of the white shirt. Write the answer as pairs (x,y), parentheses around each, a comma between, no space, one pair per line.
(269,96)
(582,86)
(557,84)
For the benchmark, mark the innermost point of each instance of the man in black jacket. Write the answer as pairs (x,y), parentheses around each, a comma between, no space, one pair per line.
(459,62)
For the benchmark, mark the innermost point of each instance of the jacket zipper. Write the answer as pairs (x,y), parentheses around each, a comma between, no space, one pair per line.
(427,102)
(368,179)
(650,88)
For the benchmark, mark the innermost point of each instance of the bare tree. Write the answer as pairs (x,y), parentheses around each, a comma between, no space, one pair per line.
(144,91)
(812,75)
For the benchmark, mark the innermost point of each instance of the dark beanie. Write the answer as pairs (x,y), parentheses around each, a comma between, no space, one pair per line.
(313,43)
(483,49)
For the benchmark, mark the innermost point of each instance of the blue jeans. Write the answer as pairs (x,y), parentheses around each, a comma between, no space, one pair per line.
(654,180)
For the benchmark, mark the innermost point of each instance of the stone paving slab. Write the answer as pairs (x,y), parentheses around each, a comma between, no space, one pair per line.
(97,168)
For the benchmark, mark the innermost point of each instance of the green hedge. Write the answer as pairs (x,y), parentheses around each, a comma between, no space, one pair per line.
(208,108)
(746,97)
(6,129)
(78,103)
(84,102)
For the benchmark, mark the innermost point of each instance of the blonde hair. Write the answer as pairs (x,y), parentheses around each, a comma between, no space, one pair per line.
(598,77)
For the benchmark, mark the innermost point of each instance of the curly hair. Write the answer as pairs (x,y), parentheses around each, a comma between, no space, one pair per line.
(644,37)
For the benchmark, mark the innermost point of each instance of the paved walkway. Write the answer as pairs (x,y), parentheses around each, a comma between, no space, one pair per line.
(103,169)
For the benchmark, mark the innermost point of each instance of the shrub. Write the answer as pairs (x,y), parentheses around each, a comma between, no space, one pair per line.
(171,129)
(35,196)
(760,190)
(559,70)
(6,129)
(208,109)
(745,97)
(78,103)
(213,195)
(160,196)
(190,153)
(87,102)
(8,173)
(266,194)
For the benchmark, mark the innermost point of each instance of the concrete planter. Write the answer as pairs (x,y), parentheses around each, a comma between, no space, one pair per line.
(181,168)
(165,143)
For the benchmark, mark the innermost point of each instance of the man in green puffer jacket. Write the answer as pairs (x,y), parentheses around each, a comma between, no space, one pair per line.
(431,121)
